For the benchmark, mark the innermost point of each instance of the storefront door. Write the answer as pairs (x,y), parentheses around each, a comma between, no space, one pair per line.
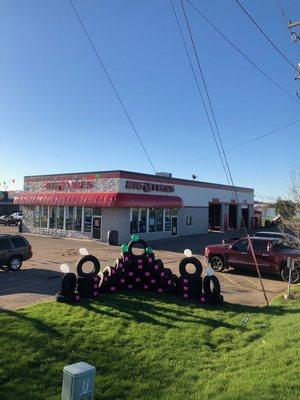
(174,226)
(96,231)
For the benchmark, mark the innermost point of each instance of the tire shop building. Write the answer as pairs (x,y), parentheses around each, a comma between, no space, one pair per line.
(120,203)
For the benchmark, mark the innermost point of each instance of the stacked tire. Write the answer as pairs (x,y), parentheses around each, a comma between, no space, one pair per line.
(83,285)
(138,272)
(68,292)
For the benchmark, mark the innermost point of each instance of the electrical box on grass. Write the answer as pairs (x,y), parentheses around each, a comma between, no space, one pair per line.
(78,382)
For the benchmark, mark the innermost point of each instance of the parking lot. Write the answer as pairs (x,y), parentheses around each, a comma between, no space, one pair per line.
(39,279)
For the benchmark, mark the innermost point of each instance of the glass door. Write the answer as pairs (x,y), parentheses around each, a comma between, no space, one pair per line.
(96,228)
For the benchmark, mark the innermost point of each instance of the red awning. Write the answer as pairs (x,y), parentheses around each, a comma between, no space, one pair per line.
(98,200)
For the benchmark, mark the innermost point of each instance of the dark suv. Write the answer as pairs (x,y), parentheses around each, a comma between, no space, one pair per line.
(14,249)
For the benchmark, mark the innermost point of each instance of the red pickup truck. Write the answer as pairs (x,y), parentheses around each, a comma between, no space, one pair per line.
(271,255)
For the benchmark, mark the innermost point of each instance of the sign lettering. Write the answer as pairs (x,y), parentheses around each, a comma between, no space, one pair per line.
(149,187)
(68,185)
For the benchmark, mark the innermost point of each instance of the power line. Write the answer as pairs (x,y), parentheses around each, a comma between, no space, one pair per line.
(266,36)
(224,154)
(209,99)
(241,52)
(272,132)
(199,89)
(104,68)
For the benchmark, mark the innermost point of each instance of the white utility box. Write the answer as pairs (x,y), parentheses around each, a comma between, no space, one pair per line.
(78,382)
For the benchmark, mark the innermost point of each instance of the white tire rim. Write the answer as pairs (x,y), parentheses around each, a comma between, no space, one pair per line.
(216,265)
(15,263)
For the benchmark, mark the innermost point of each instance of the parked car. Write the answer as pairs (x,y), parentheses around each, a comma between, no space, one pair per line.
(271,255)
(14,249)
(290,240)
(7,220)
(3,218)
(12,219)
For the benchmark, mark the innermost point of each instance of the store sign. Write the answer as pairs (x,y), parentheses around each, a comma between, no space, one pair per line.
(149,187)
(68,185)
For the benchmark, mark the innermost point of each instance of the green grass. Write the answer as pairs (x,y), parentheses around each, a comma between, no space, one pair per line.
(148,347)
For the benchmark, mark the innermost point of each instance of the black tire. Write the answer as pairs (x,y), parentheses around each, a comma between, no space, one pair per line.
(85,259)
(168,273)
(217,263)
(59,297)
(132,244)
(89,280)
(207,282)
(14,264)
(198,268)
(295,278)
(68,284)
(175,279)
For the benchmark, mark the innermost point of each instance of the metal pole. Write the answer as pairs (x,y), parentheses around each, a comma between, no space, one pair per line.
(257,268)
(291,265)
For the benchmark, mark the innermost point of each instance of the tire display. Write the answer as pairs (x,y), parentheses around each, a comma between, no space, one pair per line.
(133,244)
(89,258)
(68,284)
(195,262)
(211,286)
(140,272)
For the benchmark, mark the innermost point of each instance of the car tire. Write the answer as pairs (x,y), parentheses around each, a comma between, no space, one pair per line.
(217,263)
(94,260)
(295,278)
(14,264)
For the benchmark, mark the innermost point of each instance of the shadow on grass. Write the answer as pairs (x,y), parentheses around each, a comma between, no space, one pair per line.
(169,310)
(35,322)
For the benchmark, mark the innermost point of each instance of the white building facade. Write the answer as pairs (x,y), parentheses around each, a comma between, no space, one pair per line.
(90,205)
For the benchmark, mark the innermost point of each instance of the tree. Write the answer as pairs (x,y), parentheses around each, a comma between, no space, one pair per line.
(285,208)
(290,209)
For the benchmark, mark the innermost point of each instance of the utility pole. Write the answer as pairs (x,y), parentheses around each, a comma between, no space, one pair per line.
(295,38)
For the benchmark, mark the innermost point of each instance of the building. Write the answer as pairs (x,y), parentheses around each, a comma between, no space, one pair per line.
(88,205)
(7,205)
(268,210)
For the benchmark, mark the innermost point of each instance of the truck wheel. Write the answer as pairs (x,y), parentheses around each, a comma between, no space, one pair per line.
(14,264)
(295,277)
(217,263)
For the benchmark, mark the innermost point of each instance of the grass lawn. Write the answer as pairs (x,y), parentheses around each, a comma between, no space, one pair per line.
(149,347)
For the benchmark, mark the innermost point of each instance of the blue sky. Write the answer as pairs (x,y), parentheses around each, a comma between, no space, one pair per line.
(58,112)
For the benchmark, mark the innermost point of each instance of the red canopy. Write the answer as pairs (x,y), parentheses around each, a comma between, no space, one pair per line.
(99,200)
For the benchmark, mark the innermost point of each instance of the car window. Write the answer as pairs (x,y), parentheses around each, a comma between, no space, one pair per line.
(4,244)
(260,245)
(18,242)
(240,246)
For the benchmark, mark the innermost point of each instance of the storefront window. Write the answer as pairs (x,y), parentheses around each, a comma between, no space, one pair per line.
(51,217)
(78,219)
(59,217)
(167,219)
(37,216)
(97,211)
(174,212)
(134,221)
(88,211)
(70,218)
(44,216)
(152,220)
(159,219)
(143,220)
